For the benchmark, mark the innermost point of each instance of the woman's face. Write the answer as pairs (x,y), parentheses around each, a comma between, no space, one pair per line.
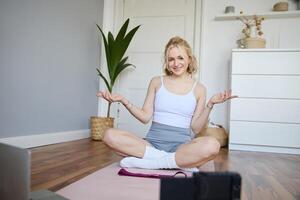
(177,61)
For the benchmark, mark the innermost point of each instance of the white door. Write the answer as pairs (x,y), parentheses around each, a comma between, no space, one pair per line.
(159,20)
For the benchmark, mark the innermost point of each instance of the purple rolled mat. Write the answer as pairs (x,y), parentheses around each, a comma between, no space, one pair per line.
(124,172)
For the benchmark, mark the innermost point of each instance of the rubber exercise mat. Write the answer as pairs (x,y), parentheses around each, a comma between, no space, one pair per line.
(107,184)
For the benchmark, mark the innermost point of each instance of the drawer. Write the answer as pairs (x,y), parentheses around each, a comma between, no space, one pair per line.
(268,134)
(266,62)
(263,86)
(265,110)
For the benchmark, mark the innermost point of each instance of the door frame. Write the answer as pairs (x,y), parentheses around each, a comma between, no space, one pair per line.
(113,13)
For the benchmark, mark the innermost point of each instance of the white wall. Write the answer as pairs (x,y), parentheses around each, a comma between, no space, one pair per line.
(219,37)
(49,51)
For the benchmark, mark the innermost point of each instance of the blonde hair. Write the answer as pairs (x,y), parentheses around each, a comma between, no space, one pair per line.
(180,42)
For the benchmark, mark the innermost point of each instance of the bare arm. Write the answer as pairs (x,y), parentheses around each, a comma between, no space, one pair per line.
(143,114)
(202,111)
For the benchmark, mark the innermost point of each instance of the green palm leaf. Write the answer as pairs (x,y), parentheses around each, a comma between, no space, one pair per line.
(111,44)
(106,47)
(115,49)
(105,80)
(126,41)
(122,31)
(120,67)
(123,44)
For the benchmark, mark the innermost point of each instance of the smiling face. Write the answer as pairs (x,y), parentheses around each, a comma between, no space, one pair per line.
(177,61)
(178,57)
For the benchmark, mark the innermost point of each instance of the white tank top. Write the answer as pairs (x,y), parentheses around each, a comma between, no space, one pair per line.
(173,109)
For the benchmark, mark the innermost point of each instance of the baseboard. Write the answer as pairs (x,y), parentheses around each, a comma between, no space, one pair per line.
(46,139)
(269,149)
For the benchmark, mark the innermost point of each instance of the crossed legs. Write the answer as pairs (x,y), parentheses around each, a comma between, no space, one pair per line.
(192,154)
(197,152)
(125,143)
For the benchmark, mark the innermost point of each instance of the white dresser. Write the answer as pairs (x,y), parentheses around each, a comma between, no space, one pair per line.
(266,116)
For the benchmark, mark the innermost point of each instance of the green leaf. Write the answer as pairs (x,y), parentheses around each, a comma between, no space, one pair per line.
(120,48)
(120,69)
(126,41)
(115,75)
(115,49)
(105,80)
(111,44)
(106,46)
(122,31)
(129,37)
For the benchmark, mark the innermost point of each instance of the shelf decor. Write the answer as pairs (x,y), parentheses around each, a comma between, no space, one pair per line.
(252,33)
(266,15)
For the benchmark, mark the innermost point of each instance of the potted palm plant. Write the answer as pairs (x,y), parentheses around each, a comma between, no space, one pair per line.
(115,48)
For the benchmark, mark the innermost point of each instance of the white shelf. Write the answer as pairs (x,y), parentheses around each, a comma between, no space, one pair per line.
(265,50)
(266,15)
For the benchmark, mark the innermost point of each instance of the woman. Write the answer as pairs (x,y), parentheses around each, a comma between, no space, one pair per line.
(176,105)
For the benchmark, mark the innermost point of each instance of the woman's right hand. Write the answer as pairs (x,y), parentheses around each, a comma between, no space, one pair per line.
(110,97)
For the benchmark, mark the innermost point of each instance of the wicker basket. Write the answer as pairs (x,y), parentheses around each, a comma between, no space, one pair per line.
(219,133)
(281,6)
(99,125)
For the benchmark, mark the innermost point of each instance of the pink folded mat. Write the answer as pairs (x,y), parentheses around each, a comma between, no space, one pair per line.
(106,183)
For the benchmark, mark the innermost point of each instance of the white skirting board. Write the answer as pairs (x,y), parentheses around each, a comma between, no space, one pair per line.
(269,149)
(30,141)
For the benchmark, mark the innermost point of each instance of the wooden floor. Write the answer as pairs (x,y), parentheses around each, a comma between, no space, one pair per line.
(264,175)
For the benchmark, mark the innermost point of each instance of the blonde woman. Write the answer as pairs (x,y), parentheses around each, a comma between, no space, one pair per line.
(176,105)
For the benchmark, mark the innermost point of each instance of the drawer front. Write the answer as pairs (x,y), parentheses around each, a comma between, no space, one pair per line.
(265,110)
(263,86)
(266,62)
(268,134)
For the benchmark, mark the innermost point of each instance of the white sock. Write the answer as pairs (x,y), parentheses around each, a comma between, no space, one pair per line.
(164,162)
(193,169)
(152,152)
(134,162)
(150,161)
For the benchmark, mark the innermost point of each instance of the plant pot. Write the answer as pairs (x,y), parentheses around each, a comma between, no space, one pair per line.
(254,43)
(99,125)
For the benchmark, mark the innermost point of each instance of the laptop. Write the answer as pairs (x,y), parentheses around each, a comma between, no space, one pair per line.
(15,171)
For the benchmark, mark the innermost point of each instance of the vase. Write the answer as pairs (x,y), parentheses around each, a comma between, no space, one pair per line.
(255,43)
(253,31)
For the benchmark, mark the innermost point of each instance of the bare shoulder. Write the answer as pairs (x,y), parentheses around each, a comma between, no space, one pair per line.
(155,82)
(200,91)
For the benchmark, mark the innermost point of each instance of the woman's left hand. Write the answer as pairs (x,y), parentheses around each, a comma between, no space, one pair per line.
(221,97)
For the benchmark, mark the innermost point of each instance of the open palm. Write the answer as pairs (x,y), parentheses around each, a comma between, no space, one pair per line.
(110,97)
(222,97)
